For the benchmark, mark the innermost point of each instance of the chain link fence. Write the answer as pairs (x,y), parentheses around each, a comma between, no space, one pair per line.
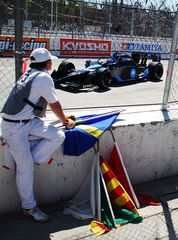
(122,25)
(7,77)
(173,96)
(170,96)
(95,19)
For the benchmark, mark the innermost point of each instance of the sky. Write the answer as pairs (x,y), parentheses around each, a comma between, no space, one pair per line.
(158,3)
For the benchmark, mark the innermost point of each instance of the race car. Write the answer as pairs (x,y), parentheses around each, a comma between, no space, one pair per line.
(124,67)
(119,67)
(66,74)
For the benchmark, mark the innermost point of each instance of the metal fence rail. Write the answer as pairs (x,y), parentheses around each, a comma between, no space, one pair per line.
(171,87)
(149,22)
(173,97)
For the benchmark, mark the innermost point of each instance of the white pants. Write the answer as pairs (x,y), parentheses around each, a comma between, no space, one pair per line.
(17,137)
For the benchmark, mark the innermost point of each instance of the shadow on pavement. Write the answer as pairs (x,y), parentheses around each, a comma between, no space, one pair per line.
(16,226)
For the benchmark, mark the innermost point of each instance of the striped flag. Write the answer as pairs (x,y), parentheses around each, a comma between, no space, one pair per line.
(116,163)
(116,191)
(98,228)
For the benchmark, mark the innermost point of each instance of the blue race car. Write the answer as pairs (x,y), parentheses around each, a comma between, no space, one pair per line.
(119,67)
(124,67)
(67,75)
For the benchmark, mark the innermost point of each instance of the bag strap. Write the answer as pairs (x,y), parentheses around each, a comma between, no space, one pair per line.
(28,101)
(32,104)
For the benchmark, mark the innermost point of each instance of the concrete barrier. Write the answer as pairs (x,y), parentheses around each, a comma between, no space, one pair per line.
(147,138)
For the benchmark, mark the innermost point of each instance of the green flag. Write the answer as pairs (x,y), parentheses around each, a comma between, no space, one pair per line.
(122,215)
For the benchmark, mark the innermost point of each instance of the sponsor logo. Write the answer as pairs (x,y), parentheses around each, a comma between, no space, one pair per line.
(133,73)
(149,47)
(7,44)
(85,47)
(124,46)
(29,44)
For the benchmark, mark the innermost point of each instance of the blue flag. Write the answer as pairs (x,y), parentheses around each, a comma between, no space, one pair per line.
(87,131)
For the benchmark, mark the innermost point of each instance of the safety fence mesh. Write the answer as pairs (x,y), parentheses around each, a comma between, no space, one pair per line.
(173,96)
(7,77)
(92,18)
(145,26)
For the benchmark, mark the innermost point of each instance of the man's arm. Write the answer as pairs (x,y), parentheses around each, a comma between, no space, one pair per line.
(57,109)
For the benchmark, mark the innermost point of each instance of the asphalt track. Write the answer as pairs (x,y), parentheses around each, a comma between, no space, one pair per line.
(118,95)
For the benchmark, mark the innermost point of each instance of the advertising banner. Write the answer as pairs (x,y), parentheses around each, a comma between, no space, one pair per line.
(143,47)
(7,45)
(80,47)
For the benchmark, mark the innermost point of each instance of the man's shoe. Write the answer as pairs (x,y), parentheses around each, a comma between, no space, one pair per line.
(36,214)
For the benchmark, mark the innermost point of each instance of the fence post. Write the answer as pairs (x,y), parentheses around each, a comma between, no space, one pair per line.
(1,15)
(19,13)
(170,66)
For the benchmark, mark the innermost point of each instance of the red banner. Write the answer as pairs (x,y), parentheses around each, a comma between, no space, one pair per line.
(7,44)
(80,47)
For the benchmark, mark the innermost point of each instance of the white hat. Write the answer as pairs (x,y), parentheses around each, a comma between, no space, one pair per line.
(41,55)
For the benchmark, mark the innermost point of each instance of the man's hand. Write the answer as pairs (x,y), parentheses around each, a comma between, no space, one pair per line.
(67,120)
(72,117)
(69,124)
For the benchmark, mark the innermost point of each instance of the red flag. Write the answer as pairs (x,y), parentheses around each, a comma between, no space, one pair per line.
(145,199)
(117,166)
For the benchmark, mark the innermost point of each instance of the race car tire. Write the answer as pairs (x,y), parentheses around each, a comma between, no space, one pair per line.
(103,78)
(155,70)
(66,68)
(63,69)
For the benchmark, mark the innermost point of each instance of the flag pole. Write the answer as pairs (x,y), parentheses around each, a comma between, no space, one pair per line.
(97,165)
(83,120)
(80,121)
(125,171)
(107,197)
(105,190)
(98,197)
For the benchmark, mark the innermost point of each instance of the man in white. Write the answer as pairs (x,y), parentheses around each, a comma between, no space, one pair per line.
(22,114)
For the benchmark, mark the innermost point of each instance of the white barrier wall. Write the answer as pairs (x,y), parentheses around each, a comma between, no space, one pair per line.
(148,140)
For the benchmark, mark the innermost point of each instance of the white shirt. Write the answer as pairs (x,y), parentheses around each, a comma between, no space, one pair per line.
(42,86)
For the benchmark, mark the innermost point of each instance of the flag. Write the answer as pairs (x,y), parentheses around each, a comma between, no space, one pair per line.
(146,199)
(117,193)
(86,203)
(87,131)
(117,165)
(91,202)
(122,215)
(98,228)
